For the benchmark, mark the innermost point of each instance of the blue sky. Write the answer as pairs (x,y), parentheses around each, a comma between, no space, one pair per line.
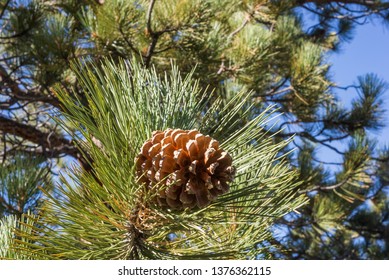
(368,52)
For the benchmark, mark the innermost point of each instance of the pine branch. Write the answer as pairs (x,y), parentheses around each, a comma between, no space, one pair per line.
(17,35)
(7,104)
(154,36)
(18,93)
(127,40)
(308,136)
(149,30)
(150,49)
(244,23)
(4,9)
(119,215)
(327,188)
(52,145)
(9,207)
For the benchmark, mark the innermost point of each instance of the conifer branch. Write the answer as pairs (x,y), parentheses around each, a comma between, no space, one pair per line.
(327,188)
(7,104)
(9,207)
(4,9)
(154,36)
(31,95)
(52,145)
(148,17)
(244,23)
(130,45)
(150,49)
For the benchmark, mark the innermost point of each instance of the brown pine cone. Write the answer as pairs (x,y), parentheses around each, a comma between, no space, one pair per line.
(188,168)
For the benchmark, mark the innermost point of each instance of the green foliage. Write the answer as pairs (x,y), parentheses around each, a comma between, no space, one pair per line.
(346,219)
(362,234)
(367,110)
(22,182)
(99,218)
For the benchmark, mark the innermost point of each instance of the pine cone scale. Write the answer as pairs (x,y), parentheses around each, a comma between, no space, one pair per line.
(180,140)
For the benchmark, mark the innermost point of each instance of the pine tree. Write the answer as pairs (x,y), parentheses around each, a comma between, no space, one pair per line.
(262,53)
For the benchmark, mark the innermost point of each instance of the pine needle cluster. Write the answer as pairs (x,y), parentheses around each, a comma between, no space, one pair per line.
(109,214)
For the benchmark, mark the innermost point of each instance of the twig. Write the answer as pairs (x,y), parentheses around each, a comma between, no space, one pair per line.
(148,17)
(5,7)
(150,50)
(326,188)
(154,36)
(4,148)
(10,208)
(245,22)
(128,41)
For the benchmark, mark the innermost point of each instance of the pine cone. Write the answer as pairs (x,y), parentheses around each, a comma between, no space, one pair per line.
(187,168)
